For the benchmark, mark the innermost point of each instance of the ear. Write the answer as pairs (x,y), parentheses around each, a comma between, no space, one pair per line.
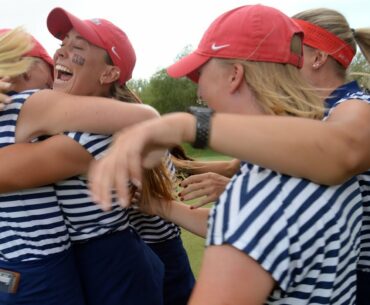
(320,58)
(110,75)
(236,77)
(26,76)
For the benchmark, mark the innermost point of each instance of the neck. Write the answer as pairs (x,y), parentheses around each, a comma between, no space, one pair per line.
(326,82)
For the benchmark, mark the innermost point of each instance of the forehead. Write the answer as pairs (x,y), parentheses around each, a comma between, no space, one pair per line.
(74,35)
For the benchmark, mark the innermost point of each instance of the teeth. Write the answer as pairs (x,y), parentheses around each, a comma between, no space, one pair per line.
(62,68)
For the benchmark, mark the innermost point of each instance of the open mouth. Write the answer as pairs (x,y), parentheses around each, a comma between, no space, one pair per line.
(63,73)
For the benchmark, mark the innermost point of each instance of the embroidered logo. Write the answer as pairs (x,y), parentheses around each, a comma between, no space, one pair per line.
(96,21)
(215,47)
(114,51)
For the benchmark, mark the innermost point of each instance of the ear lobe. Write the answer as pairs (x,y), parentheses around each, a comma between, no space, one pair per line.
(320,59)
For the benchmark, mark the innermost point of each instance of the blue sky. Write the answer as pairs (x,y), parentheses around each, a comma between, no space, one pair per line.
(158,29)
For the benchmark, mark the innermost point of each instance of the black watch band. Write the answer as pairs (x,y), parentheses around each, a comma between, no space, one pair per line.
(203,120)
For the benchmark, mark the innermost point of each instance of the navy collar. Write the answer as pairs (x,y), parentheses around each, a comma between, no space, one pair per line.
(341,92)
(10,93)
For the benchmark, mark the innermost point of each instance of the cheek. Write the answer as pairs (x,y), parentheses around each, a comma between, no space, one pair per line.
(78,59)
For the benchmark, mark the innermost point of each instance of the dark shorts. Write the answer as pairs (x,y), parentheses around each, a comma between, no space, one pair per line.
(363,288)
(49,281)
(179,279)
(119,268)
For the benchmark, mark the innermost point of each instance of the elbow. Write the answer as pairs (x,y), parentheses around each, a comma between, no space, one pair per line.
(150,112)
(353,159)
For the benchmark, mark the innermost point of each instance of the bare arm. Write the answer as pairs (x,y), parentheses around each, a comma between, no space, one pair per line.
(193,220)
(229,276)
(326,152)
(49,112)
(29,165)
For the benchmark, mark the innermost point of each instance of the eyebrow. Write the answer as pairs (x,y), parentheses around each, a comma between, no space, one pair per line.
(77,37)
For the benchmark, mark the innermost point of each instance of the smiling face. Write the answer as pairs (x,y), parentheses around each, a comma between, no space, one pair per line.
(79,67)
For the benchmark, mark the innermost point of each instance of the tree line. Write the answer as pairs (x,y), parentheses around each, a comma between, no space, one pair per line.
(171,95)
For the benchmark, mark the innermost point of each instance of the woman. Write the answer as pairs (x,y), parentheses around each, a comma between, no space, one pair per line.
(86,221)
(261,232)
(329,47)
(37,263)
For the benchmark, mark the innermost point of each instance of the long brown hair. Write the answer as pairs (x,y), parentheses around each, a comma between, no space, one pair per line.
(157,182)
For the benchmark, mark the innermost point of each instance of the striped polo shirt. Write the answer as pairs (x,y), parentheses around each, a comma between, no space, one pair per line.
(344,93)
(32,225)
(85,219)
(306,236)
(154,229)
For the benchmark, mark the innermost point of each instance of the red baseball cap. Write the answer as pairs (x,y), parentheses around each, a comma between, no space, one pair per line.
(101,33)
(37,51)
(251,32)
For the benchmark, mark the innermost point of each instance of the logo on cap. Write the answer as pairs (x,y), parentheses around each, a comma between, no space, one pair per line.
(95,21)
(215,47)
(114,51)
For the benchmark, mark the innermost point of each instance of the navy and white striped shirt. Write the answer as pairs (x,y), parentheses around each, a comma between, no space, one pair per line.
(305,235)
(85,219)
(32,224)
(154,229)
(345,93)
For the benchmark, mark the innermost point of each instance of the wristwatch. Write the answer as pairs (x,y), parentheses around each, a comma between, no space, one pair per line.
(203,118)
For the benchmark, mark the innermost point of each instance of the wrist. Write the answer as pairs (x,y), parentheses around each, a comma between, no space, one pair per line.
(203,118)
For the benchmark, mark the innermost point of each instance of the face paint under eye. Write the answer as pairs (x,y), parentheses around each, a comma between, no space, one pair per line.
(78,59)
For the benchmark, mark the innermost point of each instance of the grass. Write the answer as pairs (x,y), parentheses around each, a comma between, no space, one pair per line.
(193,244)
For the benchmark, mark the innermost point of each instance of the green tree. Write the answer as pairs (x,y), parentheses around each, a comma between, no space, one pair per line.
(360,70)
(165,93)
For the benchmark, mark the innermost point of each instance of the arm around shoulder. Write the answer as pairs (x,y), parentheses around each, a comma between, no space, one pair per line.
(49,112)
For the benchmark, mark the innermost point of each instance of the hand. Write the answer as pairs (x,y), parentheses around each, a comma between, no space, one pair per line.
(143,145)
(210,185)
(5,86)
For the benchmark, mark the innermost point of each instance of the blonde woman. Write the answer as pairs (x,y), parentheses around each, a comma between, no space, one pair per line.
(329,47)
(271,238)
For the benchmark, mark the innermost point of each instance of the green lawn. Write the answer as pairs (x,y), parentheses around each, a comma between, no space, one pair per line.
(194,245)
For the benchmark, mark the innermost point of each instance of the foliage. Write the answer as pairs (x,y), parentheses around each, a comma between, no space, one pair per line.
(165,93)
(360,70)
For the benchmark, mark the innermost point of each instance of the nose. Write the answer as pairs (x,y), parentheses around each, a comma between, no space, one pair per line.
(61,52)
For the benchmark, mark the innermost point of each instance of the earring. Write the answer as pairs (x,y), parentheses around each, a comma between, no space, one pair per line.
(316,65)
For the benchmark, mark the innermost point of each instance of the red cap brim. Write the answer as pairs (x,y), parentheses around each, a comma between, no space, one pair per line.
(60,22)
(188,66)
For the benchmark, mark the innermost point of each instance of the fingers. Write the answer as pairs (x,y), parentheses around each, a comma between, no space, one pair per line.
(204,201)
(194,191)
(118,170)
(194,179)
(100,184)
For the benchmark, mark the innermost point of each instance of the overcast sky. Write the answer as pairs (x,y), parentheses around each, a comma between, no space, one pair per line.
(158,29)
